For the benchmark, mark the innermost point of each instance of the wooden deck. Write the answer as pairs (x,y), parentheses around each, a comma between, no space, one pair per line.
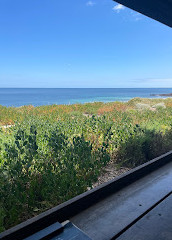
(121,211)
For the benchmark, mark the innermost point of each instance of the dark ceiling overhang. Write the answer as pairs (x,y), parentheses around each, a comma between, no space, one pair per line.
(160,10)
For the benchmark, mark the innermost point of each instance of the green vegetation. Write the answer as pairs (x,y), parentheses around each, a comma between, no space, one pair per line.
(50,154)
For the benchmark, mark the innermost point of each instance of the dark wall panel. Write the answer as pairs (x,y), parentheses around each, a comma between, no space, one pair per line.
(160,10)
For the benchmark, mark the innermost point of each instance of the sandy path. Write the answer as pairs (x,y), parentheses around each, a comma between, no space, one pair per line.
(110,172)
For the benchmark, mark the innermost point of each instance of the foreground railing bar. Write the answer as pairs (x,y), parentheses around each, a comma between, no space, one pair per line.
(47,232)
(81,202)
(141,216)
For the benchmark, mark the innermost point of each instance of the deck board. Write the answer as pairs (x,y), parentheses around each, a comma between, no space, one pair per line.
(110,216)
(157,224)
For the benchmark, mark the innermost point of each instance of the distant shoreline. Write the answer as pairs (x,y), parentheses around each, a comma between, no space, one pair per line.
(41,97)
(161,98)
(162,95)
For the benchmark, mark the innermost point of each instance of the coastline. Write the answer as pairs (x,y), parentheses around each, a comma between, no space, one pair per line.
(39,97)
(156,98)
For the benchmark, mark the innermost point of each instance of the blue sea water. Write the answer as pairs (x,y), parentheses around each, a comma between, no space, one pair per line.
(46,96)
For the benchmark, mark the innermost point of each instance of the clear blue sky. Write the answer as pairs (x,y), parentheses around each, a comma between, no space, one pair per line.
(81,43)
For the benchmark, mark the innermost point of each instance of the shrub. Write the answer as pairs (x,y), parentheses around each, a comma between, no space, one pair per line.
(143,147)
(35,177)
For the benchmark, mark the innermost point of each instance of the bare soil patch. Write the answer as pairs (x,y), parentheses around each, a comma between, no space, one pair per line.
(110,172)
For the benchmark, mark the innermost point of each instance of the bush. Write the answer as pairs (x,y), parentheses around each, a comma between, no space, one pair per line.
(35,177)
(142,147)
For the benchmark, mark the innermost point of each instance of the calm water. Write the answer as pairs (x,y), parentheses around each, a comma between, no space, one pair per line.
(44,96)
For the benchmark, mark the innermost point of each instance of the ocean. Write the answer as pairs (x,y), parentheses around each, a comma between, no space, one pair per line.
(46,96)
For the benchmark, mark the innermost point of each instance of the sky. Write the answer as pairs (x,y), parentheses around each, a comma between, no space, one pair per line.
(83,44)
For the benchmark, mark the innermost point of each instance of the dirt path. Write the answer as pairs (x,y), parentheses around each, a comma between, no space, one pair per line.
(110,172)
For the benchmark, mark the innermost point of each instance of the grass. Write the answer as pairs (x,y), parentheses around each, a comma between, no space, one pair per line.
(53,153)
